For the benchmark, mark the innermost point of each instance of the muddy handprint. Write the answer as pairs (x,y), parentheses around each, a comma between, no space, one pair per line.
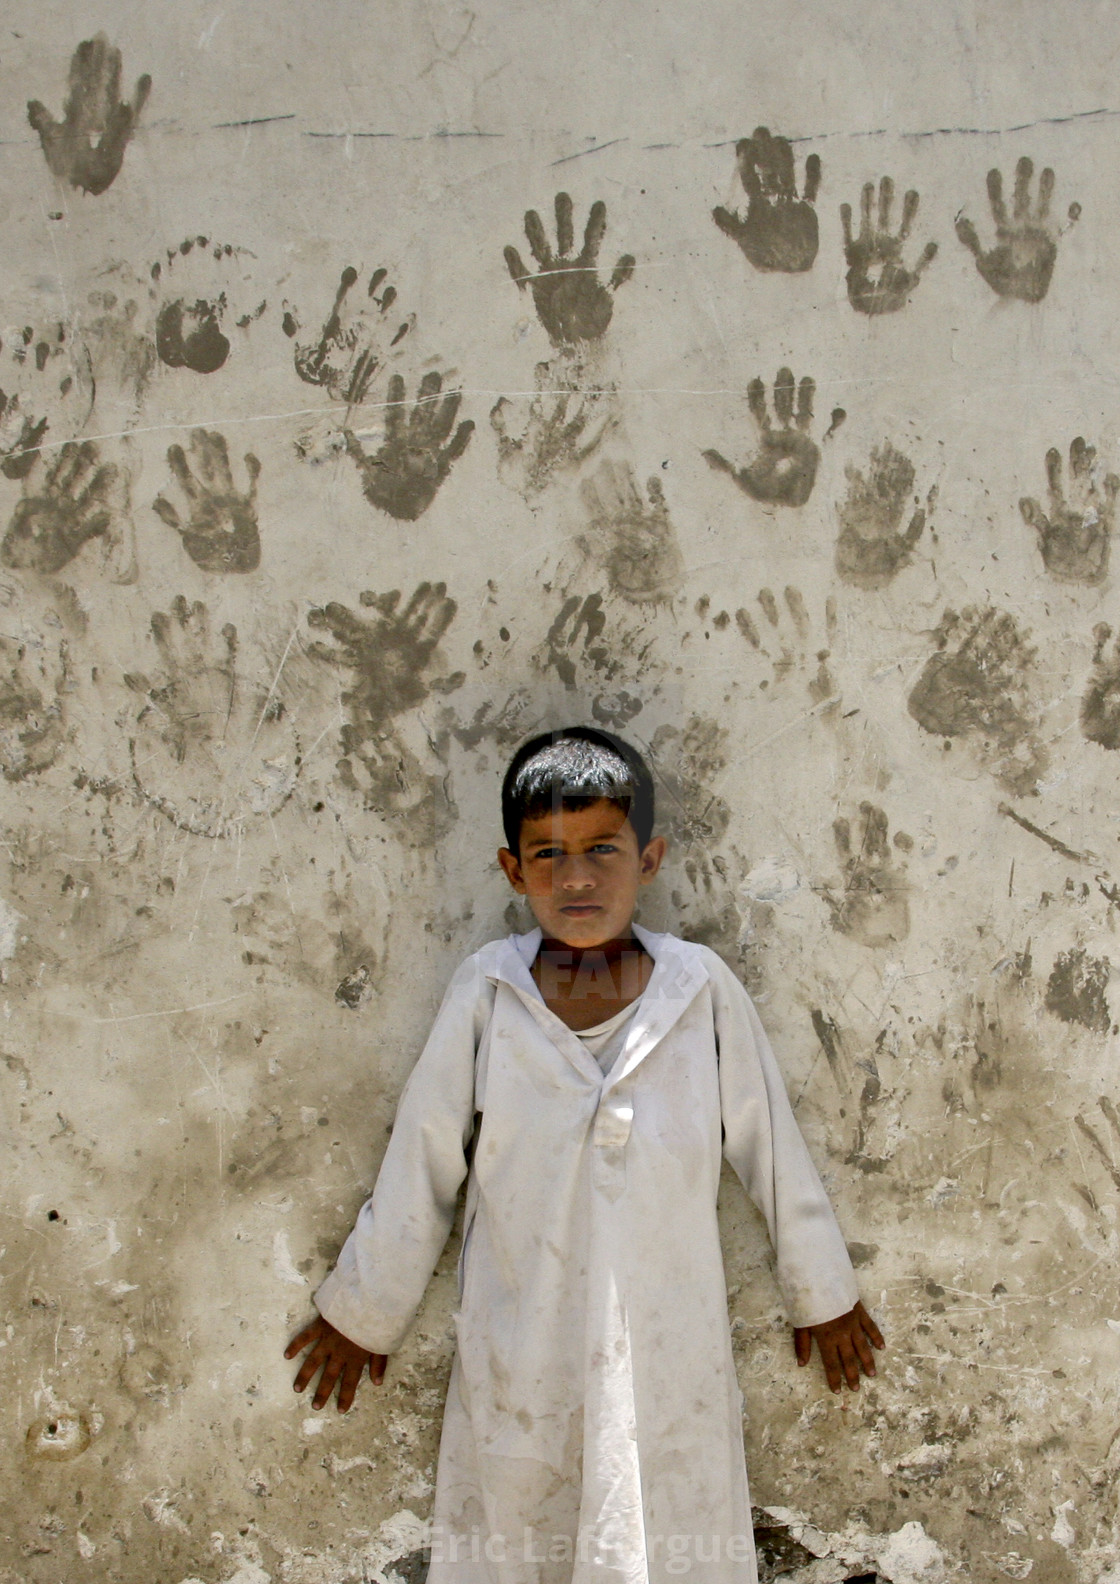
(193,280)
(20,437)
(220,533)
(565,424)
(878,281)
(873,547)
(210,748)
(572,303)
(190,696)
(33,679)
(1075,534)
(979,685)
(402,476)
(354,339)
(54,519)
(1100,703)
(47,388)
(1022,260)
(779,230)
(388,655)
(86,148)
(633,539)
(785,468)
(870,903)
(577,651)
(789,640)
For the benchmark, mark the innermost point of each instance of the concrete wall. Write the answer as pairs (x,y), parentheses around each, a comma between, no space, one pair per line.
(270,629)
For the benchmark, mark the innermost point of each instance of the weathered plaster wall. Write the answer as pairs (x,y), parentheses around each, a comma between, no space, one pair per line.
(270,627)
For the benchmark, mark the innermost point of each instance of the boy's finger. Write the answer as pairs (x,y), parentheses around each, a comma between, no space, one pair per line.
(866,1357)
(850,1364)
(802,1344)
(304,1338)
(327,1379)
(309,1368)
(377,1362)
(348,1385)
(831,1362)
(869,1326)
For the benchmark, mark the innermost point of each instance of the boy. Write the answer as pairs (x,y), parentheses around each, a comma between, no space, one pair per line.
(591,1072)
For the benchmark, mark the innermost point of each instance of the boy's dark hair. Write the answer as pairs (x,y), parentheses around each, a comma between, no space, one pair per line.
(573,766)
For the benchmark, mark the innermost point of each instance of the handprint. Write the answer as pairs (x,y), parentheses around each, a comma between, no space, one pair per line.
(636,542)
(209,750)
(49,388)
(789,651)
(779,231)
(348,352)
(117,330)
(402,476)
(72,505)
(189,329)
(189,335)
(221,533)
(878,281)
(87,147)
(1022,261)
(571,302)
(870,904)
(565,425)
(32,729)
(1075,539)
(189,704)
(1100,703)
(981,689)
(20,438)
(387,656)
(574,647)
(871,549)
(785,469)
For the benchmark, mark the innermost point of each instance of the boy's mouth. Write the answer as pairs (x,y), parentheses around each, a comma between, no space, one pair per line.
(578,909)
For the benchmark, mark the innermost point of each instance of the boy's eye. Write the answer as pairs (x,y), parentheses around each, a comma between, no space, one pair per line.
(557,852)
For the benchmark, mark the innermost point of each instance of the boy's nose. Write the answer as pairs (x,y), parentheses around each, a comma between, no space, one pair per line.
(576,873)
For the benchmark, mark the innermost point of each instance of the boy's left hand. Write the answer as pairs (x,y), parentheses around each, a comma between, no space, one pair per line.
(843,1345)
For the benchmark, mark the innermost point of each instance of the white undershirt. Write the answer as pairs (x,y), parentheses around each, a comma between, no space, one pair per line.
(606,1040)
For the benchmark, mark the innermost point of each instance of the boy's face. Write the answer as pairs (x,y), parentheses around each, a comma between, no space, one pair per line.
(581,870)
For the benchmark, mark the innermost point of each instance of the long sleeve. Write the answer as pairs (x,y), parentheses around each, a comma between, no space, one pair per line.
(375,1288)
(765,1148)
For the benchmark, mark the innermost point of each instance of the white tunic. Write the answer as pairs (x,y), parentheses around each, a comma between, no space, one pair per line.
(605,1040)
(593,1428)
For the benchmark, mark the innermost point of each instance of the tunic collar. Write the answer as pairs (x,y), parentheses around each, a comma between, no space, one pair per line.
(678,974)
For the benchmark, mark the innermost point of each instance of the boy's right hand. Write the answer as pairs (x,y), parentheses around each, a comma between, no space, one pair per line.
(340,1360)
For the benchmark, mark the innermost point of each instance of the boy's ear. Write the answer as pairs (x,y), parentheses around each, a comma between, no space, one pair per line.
(651,858)
(511,868)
